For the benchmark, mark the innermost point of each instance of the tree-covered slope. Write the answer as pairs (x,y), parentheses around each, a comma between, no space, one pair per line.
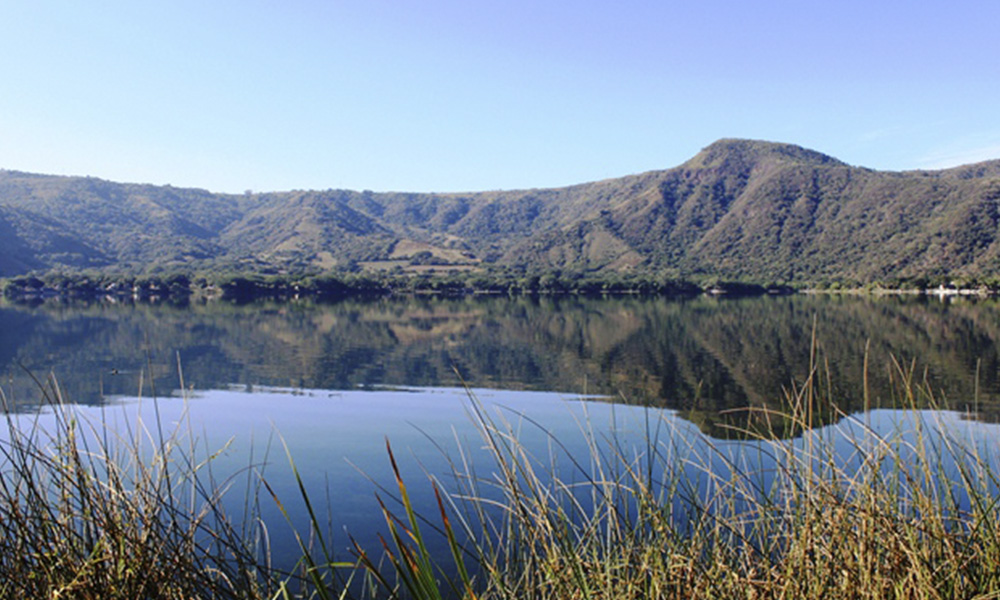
(769,211)
(739,208)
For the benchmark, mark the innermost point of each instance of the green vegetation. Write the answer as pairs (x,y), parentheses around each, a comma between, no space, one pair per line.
(740,210)
(92,513)
(180,287)
(915,516)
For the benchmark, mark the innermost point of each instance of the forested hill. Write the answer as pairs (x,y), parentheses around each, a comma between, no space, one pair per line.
(738,209)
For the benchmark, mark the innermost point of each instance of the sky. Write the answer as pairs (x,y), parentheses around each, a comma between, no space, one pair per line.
(468,95)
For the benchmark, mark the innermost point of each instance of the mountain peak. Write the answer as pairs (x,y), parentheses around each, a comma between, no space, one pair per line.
(745,209)
(744,153)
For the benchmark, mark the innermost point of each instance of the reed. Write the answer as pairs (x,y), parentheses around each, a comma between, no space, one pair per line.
(840,512)
(92,512)
(847,511)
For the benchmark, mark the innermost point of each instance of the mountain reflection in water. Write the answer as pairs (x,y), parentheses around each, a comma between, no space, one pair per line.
(706,358)
(337,440)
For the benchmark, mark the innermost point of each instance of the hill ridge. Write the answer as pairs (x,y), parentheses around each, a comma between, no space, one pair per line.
(739,208)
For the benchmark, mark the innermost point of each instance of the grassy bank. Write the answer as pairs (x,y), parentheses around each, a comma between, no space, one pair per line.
(844,512)
(87,511)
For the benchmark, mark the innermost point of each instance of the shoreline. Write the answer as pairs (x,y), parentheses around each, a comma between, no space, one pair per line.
(184,288)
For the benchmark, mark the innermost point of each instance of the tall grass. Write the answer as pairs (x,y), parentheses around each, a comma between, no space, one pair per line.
(839,512)
(91,511)
(845,511)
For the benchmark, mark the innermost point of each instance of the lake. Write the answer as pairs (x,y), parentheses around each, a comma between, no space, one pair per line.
(335,381)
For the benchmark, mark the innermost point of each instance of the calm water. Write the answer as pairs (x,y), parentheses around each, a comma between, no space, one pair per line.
(698,356)
(335,381)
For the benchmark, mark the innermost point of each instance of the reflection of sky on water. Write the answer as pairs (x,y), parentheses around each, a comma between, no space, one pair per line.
(337,440)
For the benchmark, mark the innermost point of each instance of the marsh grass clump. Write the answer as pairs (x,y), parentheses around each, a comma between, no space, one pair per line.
(883,504)
(90,511)
(844,511)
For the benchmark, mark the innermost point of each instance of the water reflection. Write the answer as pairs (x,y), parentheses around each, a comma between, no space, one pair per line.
(702,357)
(338,442)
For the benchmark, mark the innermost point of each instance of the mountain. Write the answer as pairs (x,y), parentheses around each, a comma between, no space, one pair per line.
(738,209)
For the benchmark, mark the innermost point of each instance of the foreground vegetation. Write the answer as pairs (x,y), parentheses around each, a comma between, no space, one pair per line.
(90,512)
(87,512)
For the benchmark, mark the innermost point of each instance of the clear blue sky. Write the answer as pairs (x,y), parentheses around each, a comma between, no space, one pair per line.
(431,95)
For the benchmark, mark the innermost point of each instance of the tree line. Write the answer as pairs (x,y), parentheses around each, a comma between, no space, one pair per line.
(182,286)
(241,286)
